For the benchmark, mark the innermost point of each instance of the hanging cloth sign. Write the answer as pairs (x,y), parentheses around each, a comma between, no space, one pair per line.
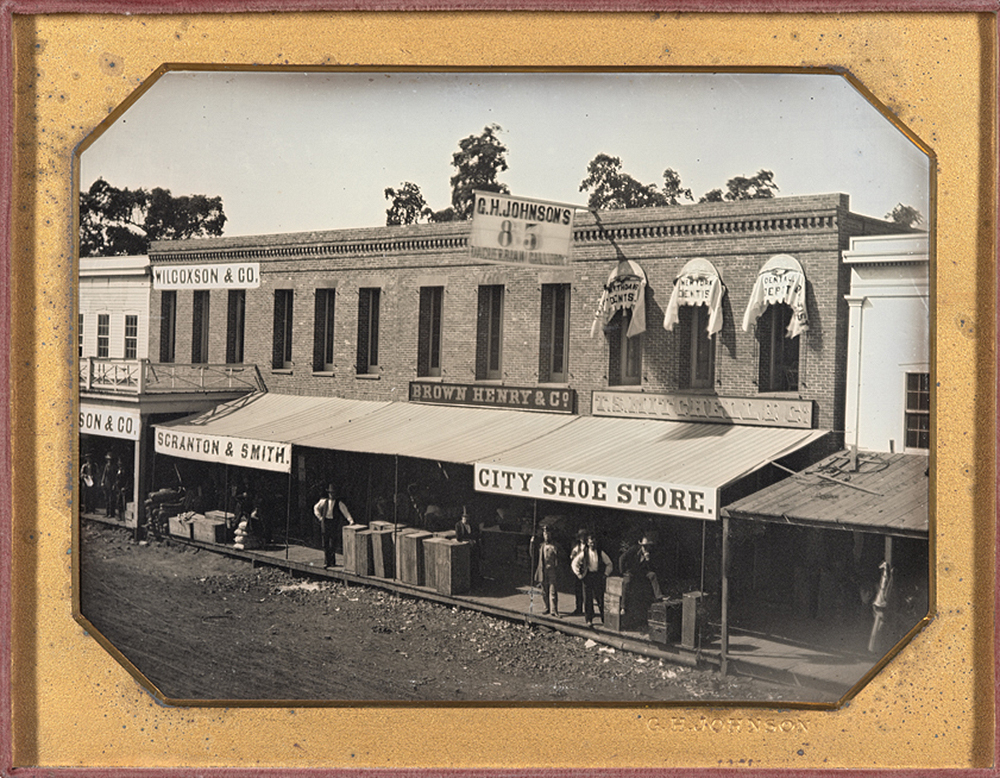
(698,284)
(626,288)
(780,280)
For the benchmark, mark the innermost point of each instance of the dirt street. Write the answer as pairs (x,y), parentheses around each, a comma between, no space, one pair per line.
(203,626)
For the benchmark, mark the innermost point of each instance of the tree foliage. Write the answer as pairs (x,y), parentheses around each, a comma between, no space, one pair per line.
(478,162)
(758,187)
(407,205)
(611,188)
(121,222)
(905,216)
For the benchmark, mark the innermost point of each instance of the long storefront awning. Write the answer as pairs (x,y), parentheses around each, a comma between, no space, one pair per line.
(667,467)
(883,493)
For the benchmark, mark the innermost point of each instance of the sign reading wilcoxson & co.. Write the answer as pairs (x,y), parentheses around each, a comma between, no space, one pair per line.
(754,411)
(519,230)
(627,494)
(474,395)
(243,452)
(237,275)
(109,422)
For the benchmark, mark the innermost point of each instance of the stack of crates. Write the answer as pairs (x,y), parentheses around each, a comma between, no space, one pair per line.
(614,602)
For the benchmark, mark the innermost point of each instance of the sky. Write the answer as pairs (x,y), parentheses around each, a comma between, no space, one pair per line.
(291,152)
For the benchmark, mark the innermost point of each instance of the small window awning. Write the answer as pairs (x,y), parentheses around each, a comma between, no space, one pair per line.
(698,283)
(887,494)
(625,288)
(780,280)
(665,467)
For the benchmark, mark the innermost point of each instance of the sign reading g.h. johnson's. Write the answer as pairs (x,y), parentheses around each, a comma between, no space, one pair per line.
(753,411)
(519,230)
(477,396)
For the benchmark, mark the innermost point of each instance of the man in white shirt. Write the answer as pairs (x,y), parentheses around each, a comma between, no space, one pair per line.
(592,566)
(330,512)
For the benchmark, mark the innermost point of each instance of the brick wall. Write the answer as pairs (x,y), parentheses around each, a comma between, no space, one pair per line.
(736,237)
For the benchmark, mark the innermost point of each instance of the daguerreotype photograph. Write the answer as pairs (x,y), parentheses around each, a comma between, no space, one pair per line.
(504,386)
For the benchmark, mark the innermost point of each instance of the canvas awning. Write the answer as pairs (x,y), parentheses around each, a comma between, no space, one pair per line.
(887,494)
(666,467)
(698,283)
(780,280)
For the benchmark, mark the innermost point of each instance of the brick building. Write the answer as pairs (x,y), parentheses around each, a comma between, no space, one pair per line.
(381,350)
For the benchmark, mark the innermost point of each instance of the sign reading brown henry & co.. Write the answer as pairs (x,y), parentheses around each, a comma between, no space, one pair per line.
(486,396)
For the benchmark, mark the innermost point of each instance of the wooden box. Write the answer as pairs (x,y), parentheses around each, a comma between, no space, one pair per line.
(665,621)
(689,619)
(208,531)
(380,524)
(613,611)
(222,516)
(615,584)
(179,527)
(357,549)
(383,552)
(410,556)
(447,565)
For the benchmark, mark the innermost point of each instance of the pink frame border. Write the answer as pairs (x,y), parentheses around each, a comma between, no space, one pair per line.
(10,7)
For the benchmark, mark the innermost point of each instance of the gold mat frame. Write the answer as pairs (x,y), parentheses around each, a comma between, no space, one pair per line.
(73,705)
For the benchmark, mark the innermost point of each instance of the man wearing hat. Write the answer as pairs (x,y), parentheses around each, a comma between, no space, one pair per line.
(578,547)
(592,565)
(464,531)
(330,511)
(640,579)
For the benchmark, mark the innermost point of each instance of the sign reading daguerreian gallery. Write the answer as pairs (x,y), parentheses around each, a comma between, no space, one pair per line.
(630,494)
(243,452)
(478,396)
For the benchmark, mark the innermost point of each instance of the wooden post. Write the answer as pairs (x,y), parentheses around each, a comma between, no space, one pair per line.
(724,667)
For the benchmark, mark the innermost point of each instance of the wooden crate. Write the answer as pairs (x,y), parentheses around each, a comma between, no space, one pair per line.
(179,527)
(351,549)
(383,552)
(448,565)
(615,584)
(222,516)
(208,531)
(613,611)
(379,524)
(410,556)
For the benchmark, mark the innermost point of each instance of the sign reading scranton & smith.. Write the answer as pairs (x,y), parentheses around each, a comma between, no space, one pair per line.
(239,275)
(753,411)
(259,454)
(521,398)
(627,494)
(520,231)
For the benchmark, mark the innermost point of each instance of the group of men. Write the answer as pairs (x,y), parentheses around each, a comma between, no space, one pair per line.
(112,481)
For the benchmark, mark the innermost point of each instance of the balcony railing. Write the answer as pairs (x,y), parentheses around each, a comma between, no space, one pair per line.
(140,376)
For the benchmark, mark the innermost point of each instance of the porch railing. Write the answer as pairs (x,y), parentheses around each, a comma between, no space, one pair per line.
(140,376)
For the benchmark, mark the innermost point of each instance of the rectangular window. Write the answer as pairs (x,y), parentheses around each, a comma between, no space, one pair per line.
(429,331)
(778,370)
(918,410)
(697,348)
(103,335)
(282,351)
(199,327)
(236,326)
(131,336)
(79,333)
(553,351)
(489,333)
(323,330)
(369,300)
(624,353)
(168,325)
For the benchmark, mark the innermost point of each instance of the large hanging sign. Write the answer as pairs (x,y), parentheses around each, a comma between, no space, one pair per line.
(698,284)
(626,288)
(238,275)
(627,494)
(709,408)
(109,422)
(242,452)
(520,231)
(525,398)
(780,280)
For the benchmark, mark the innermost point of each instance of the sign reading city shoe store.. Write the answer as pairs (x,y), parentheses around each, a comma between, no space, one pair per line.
(753,411)
(243,452)
(477,396)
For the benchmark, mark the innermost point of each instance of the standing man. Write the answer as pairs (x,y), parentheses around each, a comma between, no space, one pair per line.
(108,485)
(465,531)
(547,572)
(86,485)
(592,565)
(330,511)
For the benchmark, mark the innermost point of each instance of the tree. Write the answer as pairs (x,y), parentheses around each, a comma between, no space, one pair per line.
(905,216)
(408,205)
(672,189)
(712,196)
(117,222)
(758,187)
(478,161)
(612,189)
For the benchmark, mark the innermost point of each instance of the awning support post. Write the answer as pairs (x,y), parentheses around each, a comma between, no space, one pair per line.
(724,666)
(288,510)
